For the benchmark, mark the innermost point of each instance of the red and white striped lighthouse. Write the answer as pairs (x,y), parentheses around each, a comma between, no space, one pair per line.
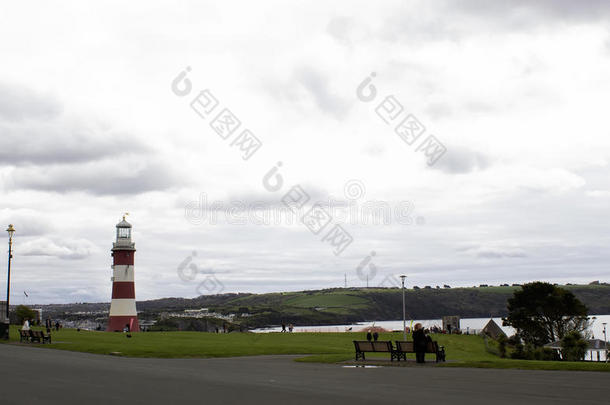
(123,306)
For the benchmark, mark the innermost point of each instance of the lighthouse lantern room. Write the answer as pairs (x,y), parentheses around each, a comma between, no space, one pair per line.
(123,312)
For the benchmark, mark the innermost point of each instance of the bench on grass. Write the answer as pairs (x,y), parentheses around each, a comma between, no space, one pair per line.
(402,348)
(39,336)
(364,346)
(24,335)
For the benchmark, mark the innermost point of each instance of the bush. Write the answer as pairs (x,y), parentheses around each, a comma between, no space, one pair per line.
(573,347)
(519,352)
(531,352)
(545,353)
(502,342)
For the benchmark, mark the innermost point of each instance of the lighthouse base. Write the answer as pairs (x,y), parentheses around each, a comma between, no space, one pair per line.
(117,323)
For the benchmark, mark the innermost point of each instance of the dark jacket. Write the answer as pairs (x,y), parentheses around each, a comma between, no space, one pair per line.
(419,340)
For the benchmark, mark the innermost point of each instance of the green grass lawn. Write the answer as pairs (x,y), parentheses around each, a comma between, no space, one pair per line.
(462,350)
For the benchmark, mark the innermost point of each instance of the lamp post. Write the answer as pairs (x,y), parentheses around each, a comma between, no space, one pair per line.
(11,232)
(593,319)
(605,342)
(404,319)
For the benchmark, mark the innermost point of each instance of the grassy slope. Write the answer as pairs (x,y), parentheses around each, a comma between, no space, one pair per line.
(339,306)
(349,305)
(462,350)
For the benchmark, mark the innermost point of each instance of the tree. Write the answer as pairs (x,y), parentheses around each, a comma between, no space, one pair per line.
(502,342)
(573,346)
(543,313)
(22,312)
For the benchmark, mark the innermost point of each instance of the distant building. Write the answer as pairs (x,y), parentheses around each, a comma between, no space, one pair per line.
(38,311)
(493,330)
(196,311)
(451,323)
(596,346)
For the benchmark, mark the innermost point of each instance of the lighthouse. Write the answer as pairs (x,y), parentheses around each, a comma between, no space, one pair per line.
(123,306)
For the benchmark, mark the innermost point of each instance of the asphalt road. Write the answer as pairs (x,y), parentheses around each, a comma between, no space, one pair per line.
(41,376)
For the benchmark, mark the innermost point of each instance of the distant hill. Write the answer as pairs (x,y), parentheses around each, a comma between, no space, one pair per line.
(340,305)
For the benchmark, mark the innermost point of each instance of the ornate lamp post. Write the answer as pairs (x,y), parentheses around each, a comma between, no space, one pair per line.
(404,319)
(11,232)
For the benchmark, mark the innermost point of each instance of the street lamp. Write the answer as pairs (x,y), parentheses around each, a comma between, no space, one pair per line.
(404,320)
(605,342)
(11,232)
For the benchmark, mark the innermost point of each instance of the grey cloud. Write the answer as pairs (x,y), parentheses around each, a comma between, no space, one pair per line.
(26,223)
(98,178)
(61,142)
(538,12)
(63,249)
(498,254)
(439,110)
(249,200)
(274,200)
(317,85)
(491,252)
(34,131)
(19,103)
(452,20)
(53,152)
(459,160)
(339,28)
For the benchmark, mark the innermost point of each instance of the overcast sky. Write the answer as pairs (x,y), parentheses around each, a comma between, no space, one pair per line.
(95,121)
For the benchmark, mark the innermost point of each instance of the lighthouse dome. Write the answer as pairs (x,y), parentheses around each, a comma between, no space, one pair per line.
(123,224)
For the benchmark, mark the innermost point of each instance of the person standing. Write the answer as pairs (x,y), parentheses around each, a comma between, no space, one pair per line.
(26,325)
(369,337)
(419,343)
(375,336)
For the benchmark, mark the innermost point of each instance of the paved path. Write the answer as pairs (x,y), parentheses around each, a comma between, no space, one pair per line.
(43,376)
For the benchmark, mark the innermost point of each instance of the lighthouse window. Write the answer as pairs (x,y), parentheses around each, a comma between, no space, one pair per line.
(124,232)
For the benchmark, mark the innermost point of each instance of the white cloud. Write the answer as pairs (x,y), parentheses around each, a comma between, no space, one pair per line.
(63,249)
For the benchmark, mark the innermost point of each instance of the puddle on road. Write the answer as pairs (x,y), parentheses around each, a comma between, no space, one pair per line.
(363,366)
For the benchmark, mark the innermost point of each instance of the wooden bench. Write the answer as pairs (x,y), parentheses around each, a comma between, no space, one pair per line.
(402,348)
(24,335)
(364,346)
(39,337)
(45,338)
(35,336)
